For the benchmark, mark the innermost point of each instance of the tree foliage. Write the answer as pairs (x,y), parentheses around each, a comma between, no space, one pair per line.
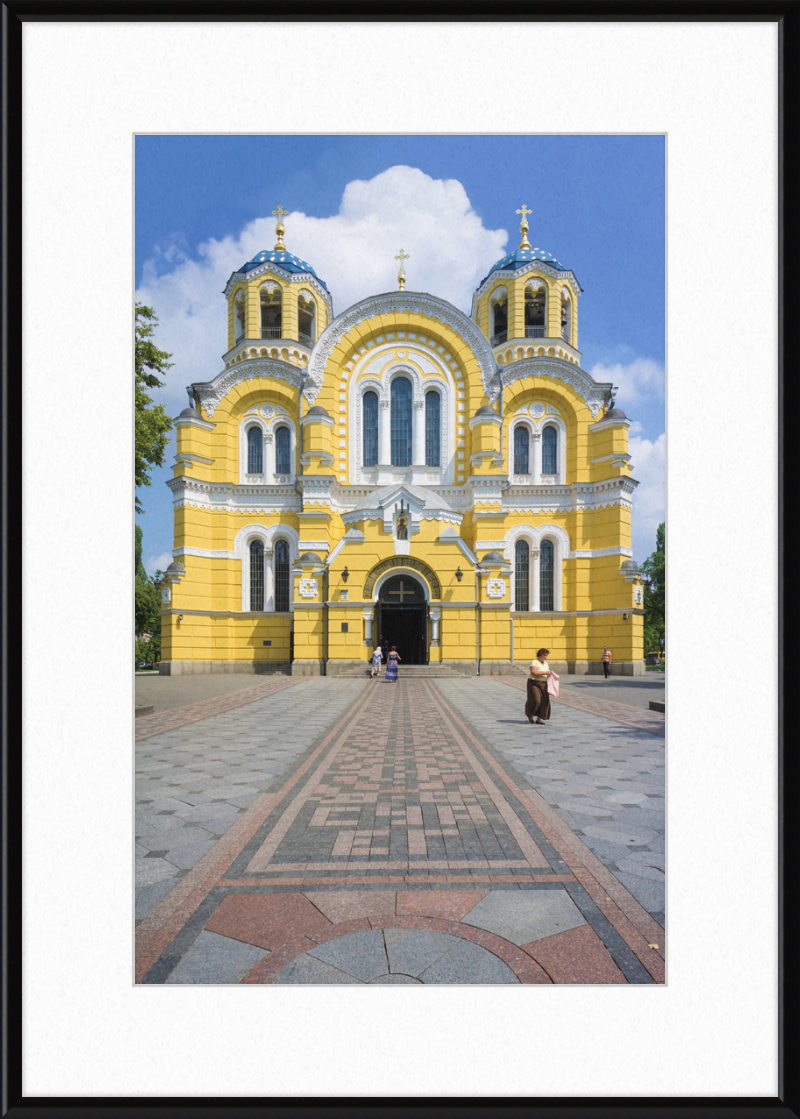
(654,573)
(147,642)
(152,422)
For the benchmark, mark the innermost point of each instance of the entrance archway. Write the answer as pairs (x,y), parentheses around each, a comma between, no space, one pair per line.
(401,615)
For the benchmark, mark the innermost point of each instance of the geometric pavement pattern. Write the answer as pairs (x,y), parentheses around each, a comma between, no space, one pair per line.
(355,831)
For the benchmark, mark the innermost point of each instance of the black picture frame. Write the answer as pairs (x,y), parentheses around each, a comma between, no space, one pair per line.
(786,14)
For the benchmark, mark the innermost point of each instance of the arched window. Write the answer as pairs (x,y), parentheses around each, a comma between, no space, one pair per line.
(281,576)
(306,314)
(271,324)
(238,317)
(283,450)
(566,316)
(256,575)
(546,571)
(370,447)
(499,316)
(535,312)
(255,451)
(521,572)
(550,450)
(521,450)
(433,428)
(401,421)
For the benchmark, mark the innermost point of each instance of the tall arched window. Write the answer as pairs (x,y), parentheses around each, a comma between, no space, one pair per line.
(271,325)
(546,571)
(401,421)
(534,312)
(566,316)
(306,314)
(255,451)
(283,451)
(521,450)
(433,429)
(238,317)
(550,450)
(256,575)
(370,447)
(281,576)
(499,316)
(521,572)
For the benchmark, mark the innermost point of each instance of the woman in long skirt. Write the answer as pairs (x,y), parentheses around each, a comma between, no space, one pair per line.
(391,665)
(538,703)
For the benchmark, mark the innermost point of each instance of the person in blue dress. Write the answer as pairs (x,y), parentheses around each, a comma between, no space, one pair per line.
(391,665)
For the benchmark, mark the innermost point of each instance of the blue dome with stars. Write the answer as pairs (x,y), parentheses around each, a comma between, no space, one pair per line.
(519,259)
(286,260)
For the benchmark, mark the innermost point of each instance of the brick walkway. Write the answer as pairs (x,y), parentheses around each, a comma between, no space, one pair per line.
(148,725)
(651,721)
(397,846)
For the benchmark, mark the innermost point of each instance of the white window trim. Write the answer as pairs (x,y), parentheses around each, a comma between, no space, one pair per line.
(534,536)
(268,477)
(442,383)
(269,536)
(536,428)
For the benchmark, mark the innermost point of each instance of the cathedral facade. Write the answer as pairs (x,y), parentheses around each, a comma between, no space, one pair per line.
(454,485)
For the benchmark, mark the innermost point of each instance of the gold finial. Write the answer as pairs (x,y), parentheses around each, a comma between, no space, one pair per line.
(523,227)
(401,275)
(279,228)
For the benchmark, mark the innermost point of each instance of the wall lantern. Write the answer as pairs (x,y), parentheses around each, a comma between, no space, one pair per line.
(459,575)
(345,574)
(180,617)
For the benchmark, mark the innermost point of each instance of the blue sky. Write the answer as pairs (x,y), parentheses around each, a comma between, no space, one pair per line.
(204,205)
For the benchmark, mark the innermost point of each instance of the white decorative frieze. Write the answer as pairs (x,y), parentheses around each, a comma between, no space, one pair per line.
(211,393)
(594,393)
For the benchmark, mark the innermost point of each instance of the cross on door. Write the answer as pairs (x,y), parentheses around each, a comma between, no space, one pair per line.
(402,592)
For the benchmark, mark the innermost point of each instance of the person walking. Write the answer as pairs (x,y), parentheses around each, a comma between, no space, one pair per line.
(606,660)
(377,660)
(538,702)
(391,666)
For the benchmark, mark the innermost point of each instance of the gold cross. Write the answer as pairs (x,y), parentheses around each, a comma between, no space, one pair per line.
(401,256)
(523,227)
(402,592)
(401,275)
(280,229)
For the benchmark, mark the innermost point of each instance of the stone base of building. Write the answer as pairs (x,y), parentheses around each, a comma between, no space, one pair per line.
(204,668)
(308,668)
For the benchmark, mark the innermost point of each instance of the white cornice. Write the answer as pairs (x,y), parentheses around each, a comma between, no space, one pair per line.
(221,497)
(402,303)
(594,393)
(211,393)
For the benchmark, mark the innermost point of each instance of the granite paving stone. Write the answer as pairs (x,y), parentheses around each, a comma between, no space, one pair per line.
(468,963)
(417,951)
(524,917)
(216,959)
(361,954)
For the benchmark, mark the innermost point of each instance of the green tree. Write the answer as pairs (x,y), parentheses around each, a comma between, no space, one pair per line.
(147,597)
(654,574)
(152,422)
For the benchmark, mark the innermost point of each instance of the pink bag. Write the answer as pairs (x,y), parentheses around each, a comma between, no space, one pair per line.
(552,685)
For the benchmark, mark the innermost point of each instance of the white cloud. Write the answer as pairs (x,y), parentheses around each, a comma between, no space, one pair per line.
(352,251)
(647,467)
(640,382)
(158,563)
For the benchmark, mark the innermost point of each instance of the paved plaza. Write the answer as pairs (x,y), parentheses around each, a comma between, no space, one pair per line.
(328,830)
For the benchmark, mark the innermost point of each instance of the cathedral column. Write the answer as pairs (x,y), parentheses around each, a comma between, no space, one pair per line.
(269,580)
(536,458)
(368,616)
(384,440)
(269,458)
(534,589)
(418,439)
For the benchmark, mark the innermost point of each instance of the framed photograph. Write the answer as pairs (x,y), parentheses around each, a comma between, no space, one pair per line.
(716,86)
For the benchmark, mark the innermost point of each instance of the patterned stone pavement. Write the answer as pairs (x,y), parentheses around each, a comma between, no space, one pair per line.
(354,831)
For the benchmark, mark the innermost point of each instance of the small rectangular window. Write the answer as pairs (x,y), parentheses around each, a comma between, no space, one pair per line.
(345,627)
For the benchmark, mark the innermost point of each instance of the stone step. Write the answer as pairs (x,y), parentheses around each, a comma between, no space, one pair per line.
(411,671)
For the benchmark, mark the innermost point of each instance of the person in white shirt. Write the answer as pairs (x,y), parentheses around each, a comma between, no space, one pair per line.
(377,658)
(538,702)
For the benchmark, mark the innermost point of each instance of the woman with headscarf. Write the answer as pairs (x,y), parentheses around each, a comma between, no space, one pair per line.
(538,703)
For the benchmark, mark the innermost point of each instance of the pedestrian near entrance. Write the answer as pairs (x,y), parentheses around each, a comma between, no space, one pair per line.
(377,660)
(606,660)
(391,666)
(538,703)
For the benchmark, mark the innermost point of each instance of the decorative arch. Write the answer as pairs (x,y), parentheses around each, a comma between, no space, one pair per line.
(392,566)
(268,536)
(403,303)
(534,536)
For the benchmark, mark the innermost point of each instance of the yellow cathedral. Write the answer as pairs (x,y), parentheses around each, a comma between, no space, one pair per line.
(403,473)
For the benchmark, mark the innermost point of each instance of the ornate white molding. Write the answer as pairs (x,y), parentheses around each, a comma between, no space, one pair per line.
(211,393)
(402,303)
(231,498)
(274,267)
(518,273)
(596,553)
(594,393)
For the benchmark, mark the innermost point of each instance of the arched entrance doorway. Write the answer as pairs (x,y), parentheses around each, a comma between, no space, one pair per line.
(401,614)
